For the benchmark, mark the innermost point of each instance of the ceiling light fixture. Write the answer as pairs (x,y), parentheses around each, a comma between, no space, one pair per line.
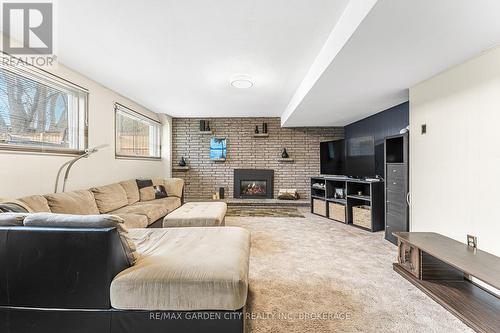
(242,82)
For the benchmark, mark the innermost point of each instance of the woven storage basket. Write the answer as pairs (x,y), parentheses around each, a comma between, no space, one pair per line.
(362,216)
(319,207)
(336,212)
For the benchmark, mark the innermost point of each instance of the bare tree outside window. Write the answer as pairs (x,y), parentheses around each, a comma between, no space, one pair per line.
(38,114)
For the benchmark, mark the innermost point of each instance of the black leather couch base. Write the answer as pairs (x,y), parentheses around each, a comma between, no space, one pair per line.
(26,320)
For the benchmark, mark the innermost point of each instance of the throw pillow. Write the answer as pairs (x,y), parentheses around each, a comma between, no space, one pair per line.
(148,191)
(160,192)
(86,221)
(141,183)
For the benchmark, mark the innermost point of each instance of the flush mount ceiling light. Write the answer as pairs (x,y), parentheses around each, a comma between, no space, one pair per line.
(242,82)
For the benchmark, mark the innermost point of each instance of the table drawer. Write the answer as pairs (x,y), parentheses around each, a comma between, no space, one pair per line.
(397,197)
(396,171)
(396,185)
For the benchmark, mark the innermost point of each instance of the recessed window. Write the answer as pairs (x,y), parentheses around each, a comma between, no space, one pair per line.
(41,113)
(137,136)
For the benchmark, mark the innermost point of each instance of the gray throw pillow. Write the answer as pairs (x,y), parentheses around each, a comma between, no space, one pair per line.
(85,221)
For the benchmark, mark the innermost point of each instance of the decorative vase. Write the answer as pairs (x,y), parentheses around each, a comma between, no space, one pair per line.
(202,125)
(207,128)
(182,162)
(264,127)
(284,154)
(256,129)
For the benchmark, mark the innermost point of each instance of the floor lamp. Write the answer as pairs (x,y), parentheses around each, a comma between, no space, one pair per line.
(70,163)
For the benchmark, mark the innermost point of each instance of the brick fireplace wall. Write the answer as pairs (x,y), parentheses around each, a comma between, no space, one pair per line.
(247,152)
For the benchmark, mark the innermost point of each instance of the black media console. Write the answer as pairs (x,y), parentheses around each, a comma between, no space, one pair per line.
(356,202)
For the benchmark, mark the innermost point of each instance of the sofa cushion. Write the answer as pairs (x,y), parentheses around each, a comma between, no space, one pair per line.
(146,190)
(147,193)
(134,220)
(130,187)
(12,219)
(77,202)
(174,186)
(170,203)
(85,221)
(110,197)
(197,214)
(14,206)
(184,269)
(37,203)
(154,209)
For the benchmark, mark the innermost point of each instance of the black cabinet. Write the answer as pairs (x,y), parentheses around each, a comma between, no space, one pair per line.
(396,185)
(356,202)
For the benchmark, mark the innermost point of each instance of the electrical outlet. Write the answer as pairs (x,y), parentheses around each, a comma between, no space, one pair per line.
(424,128)
(472,241)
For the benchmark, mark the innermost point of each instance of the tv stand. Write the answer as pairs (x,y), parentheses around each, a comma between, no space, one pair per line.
(441,267)
(361,203)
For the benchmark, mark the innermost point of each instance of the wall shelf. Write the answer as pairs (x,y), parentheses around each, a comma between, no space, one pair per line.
(218,160)
(180,168)
(261,135)
(286,160)
(206,132)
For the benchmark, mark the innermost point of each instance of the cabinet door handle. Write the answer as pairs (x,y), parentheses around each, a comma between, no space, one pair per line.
(394,183)
(394,170)
(408,198)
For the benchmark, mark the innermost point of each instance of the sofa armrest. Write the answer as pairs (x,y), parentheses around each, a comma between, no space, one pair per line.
(67,268)
(174,187)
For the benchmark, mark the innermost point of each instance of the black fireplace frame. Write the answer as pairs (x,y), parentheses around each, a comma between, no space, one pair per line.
(253,174)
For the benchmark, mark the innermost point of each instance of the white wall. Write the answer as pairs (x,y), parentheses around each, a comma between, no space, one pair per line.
(455,167)
(24,174)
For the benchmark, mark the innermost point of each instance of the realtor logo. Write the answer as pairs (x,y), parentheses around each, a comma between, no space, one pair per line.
(29,26)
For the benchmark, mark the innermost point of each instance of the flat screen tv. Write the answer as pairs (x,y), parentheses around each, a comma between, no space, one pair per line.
(332,157)
(360,157)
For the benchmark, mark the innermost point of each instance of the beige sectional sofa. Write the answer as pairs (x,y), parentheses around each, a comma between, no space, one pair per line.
(122,199)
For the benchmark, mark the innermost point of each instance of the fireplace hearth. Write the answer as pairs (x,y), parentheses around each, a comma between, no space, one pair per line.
(253,183)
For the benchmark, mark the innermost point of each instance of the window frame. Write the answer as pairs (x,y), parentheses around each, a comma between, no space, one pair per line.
(120,107)
(56,82)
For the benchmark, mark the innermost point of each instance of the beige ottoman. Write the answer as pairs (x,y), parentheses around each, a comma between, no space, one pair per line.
(197,214)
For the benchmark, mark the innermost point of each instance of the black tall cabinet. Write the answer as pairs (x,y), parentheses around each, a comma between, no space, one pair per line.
(396,165)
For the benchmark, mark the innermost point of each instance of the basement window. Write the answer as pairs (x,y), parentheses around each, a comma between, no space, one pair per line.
(41,113)
(137,136)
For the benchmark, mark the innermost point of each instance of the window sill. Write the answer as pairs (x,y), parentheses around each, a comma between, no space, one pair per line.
(139,158)
(8,149)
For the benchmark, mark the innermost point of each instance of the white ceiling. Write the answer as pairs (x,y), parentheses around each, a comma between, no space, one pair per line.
(398,44)
(314,62)
(178,56)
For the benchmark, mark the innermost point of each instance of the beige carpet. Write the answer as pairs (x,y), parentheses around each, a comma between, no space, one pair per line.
(316,275)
